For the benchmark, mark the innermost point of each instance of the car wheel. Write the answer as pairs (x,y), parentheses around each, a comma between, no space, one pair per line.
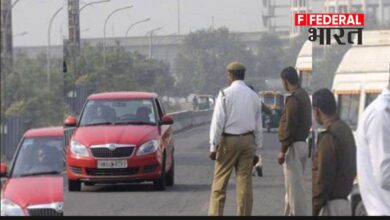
(170,177)
(159,184)
(360,210)
(74,185)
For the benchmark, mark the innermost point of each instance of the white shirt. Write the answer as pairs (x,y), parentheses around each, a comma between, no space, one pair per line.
(373,155)
(243,114)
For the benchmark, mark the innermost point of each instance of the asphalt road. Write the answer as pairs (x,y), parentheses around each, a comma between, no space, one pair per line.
(191,192)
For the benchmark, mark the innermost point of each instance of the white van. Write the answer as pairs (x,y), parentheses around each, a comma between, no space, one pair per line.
(362,75)
(360,78)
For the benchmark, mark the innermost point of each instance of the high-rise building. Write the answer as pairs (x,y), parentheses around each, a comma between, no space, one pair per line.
(376,11)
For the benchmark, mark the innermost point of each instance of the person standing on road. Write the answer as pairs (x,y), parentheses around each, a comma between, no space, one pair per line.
(334,164)
(373,155)
(294,128)
(235,133)
(195,103)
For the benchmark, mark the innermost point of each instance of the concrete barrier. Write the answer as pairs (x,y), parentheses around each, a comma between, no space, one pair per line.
(187,119)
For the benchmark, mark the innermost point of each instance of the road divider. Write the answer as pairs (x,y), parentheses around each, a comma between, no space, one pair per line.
(188,119)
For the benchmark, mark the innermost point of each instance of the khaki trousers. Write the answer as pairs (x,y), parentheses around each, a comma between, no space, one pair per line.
(293,169)
(336,207)
(233,152)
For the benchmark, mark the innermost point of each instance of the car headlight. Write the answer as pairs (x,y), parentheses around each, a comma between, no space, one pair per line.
(78,149)
(148,148)
(8,208)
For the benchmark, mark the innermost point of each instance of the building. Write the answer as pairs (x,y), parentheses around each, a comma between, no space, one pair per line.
(376,11)
(302,6)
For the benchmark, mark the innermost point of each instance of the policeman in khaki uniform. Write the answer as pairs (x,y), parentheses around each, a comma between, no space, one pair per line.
(294,128)
(235,133)
(334,164)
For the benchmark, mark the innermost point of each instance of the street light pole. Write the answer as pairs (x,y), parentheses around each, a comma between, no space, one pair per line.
(135,23)
(92,3)
(105,24)
(132,25)
(48,53)
(20,34)
(178,17)
(151,41)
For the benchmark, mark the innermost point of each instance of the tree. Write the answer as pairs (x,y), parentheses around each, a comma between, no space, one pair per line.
(324,69)
(202,59)
(28,92)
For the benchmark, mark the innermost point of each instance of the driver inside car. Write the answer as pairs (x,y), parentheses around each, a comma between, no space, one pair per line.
(143,114)
(44,160)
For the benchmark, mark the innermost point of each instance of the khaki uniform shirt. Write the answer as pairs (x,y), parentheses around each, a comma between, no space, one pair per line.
(334,165)
(295,121)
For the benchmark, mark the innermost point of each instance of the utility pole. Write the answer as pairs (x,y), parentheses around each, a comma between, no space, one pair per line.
(178,17)
(6,46)
(74,32)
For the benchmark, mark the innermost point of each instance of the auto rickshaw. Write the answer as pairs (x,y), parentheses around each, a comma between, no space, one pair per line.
(274,100)
(204,102)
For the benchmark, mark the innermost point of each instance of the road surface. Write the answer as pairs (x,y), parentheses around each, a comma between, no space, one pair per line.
(191,192)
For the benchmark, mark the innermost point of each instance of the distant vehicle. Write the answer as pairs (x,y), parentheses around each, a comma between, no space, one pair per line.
(34,184)
(121,137)
(275,102)
(205,102)
(361,76)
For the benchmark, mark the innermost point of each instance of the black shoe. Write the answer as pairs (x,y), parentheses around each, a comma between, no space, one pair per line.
(259,171)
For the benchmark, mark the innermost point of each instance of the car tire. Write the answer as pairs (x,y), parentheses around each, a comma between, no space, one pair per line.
(160,184)
(74,185)
(360,210)
(170,177)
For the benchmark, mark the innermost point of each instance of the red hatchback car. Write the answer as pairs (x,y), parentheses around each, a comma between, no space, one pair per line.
(120,137)
(34,185)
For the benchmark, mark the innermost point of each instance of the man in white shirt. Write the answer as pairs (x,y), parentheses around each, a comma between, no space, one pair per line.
(235,133)
(373,155)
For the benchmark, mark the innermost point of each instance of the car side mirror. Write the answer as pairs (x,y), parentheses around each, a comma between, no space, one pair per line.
(167,120)
(3,170)
(70,121)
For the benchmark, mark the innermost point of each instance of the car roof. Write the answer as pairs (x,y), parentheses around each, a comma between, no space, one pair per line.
(122,95)
(45,132)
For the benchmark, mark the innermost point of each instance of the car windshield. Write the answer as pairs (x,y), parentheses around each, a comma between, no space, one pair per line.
(39,156)
(116,112)
(269,100)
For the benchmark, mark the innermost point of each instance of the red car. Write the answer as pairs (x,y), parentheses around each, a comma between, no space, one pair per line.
(34,185)
(120,137)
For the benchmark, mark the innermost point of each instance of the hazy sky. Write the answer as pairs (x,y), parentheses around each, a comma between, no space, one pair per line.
(33,17)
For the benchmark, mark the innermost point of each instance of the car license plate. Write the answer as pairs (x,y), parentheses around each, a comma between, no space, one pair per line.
(106,164)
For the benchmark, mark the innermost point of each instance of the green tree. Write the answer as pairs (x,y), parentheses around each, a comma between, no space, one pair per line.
(28,93)
(203,56)
(324,68)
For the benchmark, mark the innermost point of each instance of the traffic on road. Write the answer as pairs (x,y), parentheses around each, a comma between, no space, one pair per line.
(195,108)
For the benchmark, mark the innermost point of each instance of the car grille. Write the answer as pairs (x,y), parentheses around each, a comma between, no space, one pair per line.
(112,172)
(103,152)
(44,212)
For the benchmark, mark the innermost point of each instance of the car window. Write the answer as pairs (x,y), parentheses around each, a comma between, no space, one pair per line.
(118,111)
(39,155)
(370,97)
(349,108)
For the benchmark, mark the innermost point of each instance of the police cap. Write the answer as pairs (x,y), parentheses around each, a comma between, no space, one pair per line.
(235,66)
